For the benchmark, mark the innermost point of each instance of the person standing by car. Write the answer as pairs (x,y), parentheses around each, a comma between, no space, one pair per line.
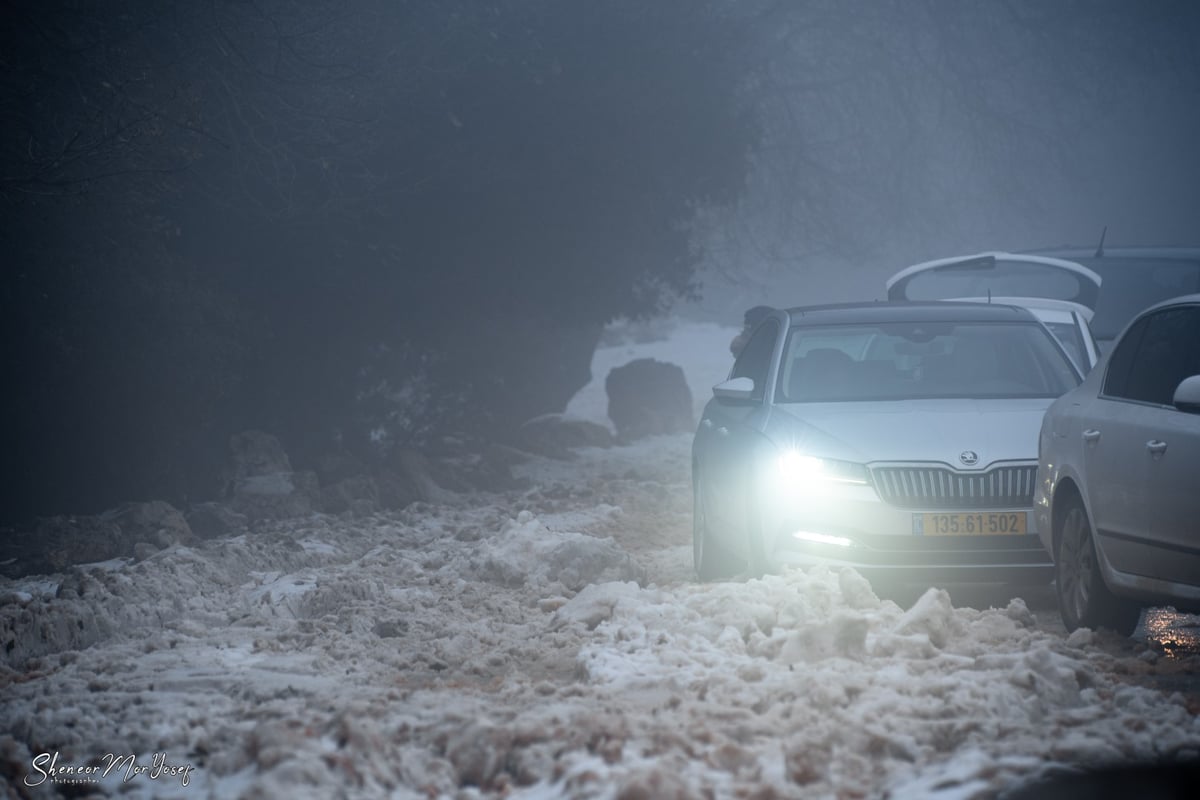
(750,321)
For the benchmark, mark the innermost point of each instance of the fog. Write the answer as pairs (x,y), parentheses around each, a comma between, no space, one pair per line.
(915,132)
(295,296)
(365,229)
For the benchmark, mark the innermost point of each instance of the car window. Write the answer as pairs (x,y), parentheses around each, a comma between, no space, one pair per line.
(1071,338)
(755,359)
(922,360)
(1168,352)
(1116,378)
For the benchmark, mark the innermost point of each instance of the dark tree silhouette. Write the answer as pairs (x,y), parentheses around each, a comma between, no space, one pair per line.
(309,217)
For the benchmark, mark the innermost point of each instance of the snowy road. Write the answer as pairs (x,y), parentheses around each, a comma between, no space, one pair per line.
(551,643)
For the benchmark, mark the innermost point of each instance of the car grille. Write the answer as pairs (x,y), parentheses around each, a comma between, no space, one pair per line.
(940,487)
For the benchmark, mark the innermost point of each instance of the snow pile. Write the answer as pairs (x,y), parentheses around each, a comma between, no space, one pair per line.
(807,680)
(526,551)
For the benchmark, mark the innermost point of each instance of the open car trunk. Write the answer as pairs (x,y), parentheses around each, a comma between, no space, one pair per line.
(993,275)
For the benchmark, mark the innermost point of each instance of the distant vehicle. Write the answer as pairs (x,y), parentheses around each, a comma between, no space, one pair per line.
(1135,278)
(896,438)
(1060,293)
(1118,495)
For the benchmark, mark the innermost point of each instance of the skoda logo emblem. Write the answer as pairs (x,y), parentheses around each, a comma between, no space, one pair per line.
(969,457)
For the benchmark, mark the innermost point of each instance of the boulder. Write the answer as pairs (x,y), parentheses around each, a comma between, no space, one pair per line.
(157,523)
(357,492)
(213,520)
(55,544)
(338,466)
(648,397)
(477,465)
(262,484)
(279,495)
(396,489)
(555,435)
(143,550)
(256,453)
(422,475)
(62,541)
(492,470)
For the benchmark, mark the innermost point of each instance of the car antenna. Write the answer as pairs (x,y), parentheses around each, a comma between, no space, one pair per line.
(989,295)
(1100,248)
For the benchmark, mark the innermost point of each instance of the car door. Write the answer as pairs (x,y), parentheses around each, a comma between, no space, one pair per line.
(1141,452)
(1170,352)
(733,428)
(1112,455)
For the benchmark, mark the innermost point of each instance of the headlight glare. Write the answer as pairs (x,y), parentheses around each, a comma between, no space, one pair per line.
(796,467)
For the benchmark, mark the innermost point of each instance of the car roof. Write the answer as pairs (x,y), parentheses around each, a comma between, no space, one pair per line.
(893,311)
(1042,307)
(1182,300)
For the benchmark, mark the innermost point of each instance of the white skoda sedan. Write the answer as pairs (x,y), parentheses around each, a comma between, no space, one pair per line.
(895,438)
(1118,496)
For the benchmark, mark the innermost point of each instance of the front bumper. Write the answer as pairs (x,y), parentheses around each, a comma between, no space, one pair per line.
(849,525)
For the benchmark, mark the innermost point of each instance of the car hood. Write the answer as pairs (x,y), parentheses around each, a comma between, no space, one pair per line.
(913,430)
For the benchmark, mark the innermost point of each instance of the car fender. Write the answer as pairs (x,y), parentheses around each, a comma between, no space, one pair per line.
(1065,481)
(1064,473)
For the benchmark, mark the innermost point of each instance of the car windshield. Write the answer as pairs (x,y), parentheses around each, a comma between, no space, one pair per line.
(910,360)
(1133,284)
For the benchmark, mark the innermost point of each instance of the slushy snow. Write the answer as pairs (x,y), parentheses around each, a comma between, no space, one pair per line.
(552,643)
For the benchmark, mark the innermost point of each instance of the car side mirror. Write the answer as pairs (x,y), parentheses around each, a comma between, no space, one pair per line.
(1187,395)
(735,390)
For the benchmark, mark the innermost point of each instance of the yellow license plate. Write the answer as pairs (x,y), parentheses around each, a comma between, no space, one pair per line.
(987,523)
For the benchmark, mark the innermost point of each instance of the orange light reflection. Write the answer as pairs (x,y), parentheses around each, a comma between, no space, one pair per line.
(1174,633)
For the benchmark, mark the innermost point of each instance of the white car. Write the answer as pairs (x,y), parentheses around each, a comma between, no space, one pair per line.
(1118,497)
(1060,293)
(896,438)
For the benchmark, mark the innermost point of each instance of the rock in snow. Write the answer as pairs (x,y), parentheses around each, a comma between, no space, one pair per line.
(648,397)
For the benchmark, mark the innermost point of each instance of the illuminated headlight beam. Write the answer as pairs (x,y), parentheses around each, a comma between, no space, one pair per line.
(796,467)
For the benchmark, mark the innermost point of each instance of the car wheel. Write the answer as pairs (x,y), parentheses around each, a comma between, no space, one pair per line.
(1084,601)
(712,561)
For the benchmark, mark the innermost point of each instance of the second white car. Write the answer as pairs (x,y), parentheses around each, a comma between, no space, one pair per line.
(1118,498)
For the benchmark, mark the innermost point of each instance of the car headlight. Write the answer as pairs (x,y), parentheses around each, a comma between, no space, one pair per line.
(794,467)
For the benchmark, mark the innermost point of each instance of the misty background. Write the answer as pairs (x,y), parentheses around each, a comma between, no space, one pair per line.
(386,225)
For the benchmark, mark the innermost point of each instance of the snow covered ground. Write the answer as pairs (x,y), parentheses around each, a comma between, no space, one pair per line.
(549,643)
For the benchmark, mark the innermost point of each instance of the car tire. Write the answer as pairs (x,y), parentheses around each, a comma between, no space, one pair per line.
(1084,601)
(712,561)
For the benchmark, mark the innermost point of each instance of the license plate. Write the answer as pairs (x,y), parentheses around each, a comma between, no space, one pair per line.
(987,523)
